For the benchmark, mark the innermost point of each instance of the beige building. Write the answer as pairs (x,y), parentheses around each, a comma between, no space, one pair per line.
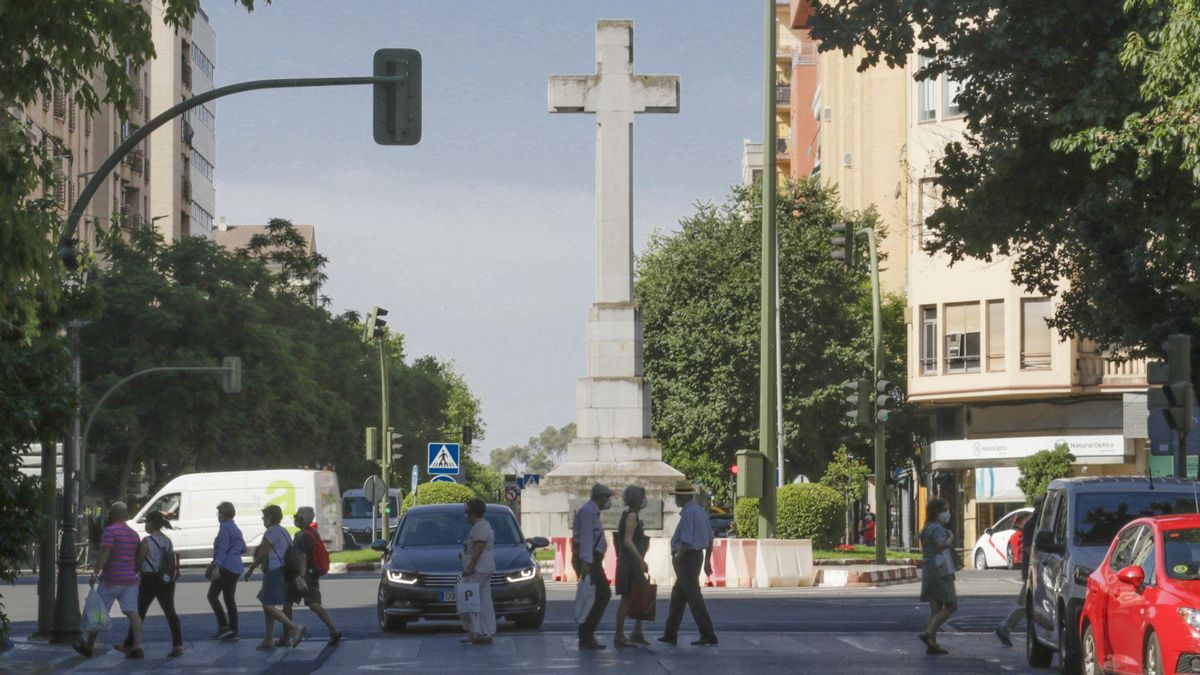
(183,197)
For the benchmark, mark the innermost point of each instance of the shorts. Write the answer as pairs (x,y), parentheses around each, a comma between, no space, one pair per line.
(126,596)
(274,589)
(310,597)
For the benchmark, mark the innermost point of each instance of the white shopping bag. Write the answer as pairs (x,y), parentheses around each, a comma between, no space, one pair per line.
(95,618)
(585,597)
(466,597)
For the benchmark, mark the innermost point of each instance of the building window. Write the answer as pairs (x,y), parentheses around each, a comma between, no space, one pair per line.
(202,61)
(206,117)
(756,175)
(929,201)
(929,340)
(962,338)
(995,335)
(950,91)
(926,95)
(201,220)
(202,165)
(1035,334)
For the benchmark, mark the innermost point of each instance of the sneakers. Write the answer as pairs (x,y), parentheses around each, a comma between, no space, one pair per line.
(221,632)
(83,648)
(667,640)
(705,642)
(229,636)
(1003,637)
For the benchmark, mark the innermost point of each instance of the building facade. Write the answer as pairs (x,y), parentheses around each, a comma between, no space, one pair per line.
(183,199)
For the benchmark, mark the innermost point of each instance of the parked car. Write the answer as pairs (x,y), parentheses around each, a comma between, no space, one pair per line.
(997,546)
(1142,613)
(359,527)
(421,565)
(1077,524)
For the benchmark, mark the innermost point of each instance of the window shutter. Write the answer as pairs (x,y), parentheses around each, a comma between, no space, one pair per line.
(1035,336)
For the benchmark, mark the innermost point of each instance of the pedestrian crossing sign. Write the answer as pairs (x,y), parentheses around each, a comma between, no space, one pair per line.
(443,459)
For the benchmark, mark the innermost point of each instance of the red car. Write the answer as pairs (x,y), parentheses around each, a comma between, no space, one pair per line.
(1142,612)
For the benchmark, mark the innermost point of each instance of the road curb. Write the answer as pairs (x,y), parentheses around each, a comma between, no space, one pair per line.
(344,568)
(835,578)
(843,562)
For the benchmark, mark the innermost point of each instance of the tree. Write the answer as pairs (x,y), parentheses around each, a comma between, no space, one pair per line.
(1038,469)
(1107,227)
(699,293)
(539,455)
(848,477)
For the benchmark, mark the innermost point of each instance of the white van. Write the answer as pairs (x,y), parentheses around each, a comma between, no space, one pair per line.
(190,503)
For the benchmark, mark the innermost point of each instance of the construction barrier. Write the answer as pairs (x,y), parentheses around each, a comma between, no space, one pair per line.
(784,563)
(719,548)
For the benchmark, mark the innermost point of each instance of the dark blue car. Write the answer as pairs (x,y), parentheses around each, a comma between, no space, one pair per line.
(422,563)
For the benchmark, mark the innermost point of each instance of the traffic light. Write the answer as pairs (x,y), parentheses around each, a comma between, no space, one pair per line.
(468,434)
(374,326)
(1172,383)
(397,106)
(886,400)
(843,242)
(859,397)
(231,376)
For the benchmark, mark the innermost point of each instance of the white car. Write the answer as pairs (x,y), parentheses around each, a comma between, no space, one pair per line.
(995,548)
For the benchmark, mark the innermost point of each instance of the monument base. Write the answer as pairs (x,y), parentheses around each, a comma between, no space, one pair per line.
(547,509)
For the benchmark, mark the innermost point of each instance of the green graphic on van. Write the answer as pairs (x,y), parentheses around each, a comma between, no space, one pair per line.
(283,494)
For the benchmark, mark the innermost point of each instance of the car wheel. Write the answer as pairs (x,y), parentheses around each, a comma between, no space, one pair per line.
(980,560)
(1008,556)
(1091,660)
(1152,663)
(1068,646)
(1037,654)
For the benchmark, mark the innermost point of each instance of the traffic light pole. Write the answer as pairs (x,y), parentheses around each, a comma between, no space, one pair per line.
(385,459)
(881,511)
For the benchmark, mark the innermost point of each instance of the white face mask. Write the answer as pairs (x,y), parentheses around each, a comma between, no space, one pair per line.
(944,517)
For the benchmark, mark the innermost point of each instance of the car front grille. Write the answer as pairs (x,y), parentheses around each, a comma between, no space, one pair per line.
(448,580)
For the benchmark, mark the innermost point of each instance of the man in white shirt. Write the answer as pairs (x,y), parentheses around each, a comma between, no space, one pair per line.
(590,546)
(691,548)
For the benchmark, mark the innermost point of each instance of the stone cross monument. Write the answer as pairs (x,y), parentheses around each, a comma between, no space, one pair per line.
(613,443)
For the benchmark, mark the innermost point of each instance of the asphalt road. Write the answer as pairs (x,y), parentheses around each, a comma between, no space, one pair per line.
(762,630)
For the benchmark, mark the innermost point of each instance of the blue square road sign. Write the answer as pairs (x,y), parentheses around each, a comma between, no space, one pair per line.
(443,459)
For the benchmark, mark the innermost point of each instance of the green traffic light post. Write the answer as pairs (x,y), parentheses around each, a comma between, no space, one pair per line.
(375,329)
(396,121)
(1171,392)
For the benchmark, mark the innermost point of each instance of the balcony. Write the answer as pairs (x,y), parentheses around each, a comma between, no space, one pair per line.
(1095,369)
(186,75)
(783,95)
(783,150)
(138,100)
(186,190)
(135,161)
(186,132)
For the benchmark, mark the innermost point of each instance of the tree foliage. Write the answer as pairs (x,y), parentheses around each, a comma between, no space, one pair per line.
(438,493)
(1038,469)
(1105,220)
(846,476)
(541,454)
(699,293)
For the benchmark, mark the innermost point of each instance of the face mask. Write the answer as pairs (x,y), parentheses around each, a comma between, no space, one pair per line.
(944,517)
(607,505)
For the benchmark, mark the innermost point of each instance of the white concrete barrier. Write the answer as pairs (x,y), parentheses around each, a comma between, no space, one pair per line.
(783,563)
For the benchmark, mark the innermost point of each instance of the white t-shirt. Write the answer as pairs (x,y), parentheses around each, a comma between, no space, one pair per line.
(480,531)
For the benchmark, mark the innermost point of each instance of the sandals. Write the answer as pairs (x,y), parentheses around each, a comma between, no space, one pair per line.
(638,639)
(619,641)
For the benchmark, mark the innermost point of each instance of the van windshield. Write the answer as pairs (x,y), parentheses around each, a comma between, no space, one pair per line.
(434,528)
(1100,515)
(359,507)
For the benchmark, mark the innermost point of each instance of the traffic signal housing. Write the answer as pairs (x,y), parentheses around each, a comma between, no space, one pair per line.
(886,400)
(843,242)
(231,375)
(1171,383)
(859,397)
(397,105)
(374,327)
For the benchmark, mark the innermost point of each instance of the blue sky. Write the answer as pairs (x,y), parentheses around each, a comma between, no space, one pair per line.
(479,240)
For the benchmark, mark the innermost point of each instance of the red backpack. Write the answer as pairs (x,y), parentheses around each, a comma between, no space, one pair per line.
(320,555)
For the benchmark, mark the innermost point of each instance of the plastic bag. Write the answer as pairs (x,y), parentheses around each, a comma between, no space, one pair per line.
(585,597)
(95,617)
(466,597)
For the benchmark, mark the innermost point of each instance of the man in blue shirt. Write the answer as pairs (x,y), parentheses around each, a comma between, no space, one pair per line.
(691,549)
(590,546)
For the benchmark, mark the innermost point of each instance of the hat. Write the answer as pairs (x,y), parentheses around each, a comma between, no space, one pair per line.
(685,487)
(601,490)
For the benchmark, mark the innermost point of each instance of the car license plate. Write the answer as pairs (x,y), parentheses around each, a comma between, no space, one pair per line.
(446,596)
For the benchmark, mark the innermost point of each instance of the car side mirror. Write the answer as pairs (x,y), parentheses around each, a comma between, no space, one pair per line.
(537,542)
(1044,541)
(380,545)
(1133,575)
(987,530)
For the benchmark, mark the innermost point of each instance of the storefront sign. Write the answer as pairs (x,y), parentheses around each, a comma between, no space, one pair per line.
(993,451)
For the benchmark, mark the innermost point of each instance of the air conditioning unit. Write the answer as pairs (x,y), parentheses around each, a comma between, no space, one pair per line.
(954,345)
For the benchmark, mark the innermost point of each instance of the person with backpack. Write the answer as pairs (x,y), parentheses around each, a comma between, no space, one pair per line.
(272,555)
(312,562)
(158,568)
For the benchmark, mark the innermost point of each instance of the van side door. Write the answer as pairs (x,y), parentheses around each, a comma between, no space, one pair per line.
(1042,582)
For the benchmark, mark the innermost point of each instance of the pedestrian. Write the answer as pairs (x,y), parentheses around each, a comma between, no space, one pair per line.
(1004,631)
(157,573)
(272,555)
(590,547)
(305,585)
(937,572)
(632,544)
(227,569)
(691,549)
(868,529)
(479,562)
(116,569)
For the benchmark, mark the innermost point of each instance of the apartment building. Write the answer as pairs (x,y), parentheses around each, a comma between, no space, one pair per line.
(183,197)
(998,382)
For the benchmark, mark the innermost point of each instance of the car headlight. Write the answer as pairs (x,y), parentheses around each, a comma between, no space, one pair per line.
(406,578)
(1191,617)
(521,575)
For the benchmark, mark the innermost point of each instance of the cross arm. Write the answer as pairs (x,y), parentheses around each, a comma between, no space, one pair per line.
(656,93)
(571,93)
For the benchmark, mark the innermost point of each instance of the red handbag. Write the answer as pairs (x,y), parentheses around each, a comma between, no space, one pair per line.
(642,600)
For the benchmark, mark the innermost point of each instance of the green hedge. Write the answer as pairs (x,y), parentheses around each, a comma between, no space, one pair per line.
(439,493)
(804,511)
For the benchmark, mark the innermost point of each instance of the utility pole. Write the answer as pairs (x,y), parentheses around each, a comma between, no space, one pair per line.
(66,600)
(46,576)
(375,328)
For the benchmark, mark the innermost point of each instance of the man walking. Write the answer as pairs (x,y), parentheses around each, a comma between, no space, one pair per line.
(227,569)
(118,579)
(307,586)
(691,549)
(1004,631)
(590,545)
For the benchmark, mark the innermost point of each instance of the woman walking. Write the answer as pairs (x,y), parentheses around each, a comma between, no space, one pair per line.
(937,572)
(272,554)
(479,562)
(632,544)
(226,569)
(157,573)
